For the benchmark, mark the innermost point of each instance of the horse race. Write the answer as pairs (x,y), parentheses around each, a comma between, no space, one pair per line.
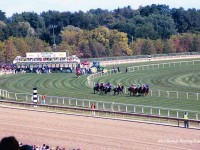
(99,87)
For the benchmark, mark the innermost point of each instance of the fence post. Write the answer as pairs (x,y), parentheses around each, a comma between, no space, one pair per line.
(197,96)
(159,111)
(126,109)
(134,109)
(197,116)
(142,109)
(63,100)
(103,106)
(118,107)
(168,114)
(6,94)
(76,102)
(69,101)
(57,100)
(112,108)
(177,114)
(15,96)
(50,100)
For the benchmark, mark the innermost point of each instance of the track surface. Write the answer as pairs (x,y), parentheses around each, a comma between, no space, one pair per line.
(92,133)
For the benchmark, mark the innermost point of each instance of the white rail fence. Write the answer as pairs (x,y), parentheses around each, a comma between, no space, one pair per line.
(163,65)
(101,105)
(145,59)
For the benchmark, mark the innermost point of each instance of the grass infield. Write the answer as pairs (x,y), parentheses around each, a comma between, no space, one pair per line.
(184,78)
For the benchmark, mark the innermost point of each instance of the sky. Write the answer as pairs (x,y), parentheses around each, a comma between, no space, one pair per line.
(18,6)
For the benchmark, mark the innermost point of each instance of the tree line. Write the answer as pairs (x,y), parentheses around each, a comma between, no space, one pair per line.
(100,33)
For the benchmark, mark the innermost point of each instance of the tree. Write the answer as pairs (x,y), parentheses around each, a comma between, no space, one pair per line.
(10,51)
(21,45)
(169,47)
(2,52)
(148,47)
(2,16)
(158,45)
(136,46)
(196,43)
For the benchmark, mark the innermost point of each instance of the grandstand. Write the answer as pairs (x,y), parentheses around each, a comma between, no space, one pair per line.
(46,61)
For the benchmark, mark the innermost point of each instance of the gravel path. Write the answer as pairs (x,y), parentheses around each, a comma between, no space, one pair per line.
(93,133)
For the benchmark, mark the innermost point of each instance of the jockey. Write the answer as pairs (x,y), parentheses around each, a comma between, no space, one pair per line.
(97,84)
(118,87)
(101,85)
(133,86)
(109,85)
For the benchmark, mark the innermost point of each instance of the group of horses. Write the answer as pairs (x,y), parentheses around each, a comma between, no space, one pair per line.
(140,90)
(107,89)
(133,90)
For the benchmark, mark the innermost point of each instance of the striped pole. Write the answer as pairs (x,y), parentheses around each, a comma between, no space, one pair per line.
(35,97)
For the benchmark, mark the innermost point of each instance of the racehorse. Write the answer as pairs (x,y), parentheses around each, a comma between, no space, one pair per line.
(119,90)
(132,90)
(78,74)
(96,89)
(138,91)
(102,89)
(107,90)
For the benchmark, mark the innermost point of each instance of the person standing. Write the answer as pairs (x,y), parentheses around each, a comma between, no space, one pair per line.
(185,116)
(43,99)
(126,70)
(93,107)
(118,69)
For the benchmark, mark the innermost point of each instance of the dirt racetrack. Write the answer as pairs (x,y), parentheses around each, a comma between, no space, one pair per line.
(90,133)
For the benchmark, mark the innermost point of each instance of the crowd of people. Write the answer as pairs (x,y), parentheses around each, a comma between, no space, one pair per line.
(6,69)
(11,143)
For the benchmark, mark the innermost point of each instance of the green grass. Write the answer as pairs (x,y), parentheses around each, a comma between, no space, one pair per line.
(179,78)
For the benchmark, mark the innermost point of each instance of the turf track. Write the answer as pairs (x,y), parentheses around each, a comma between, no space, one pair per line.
(182,78)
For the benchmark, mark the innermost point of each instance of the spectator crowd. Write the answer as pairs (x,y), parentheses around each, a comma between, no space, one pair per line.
(11,143)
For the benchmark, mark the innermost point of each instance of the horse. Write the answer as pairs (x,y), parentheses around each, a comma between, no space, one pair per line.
(139,91)
(96,89)
(78,74)
(107,90)
(143,90)
(119,90)
(132,90)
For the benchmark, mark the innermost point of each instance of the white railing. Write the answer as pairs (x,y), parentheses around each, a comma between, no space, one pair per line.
(163,65)
(125,61)
(101,105)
